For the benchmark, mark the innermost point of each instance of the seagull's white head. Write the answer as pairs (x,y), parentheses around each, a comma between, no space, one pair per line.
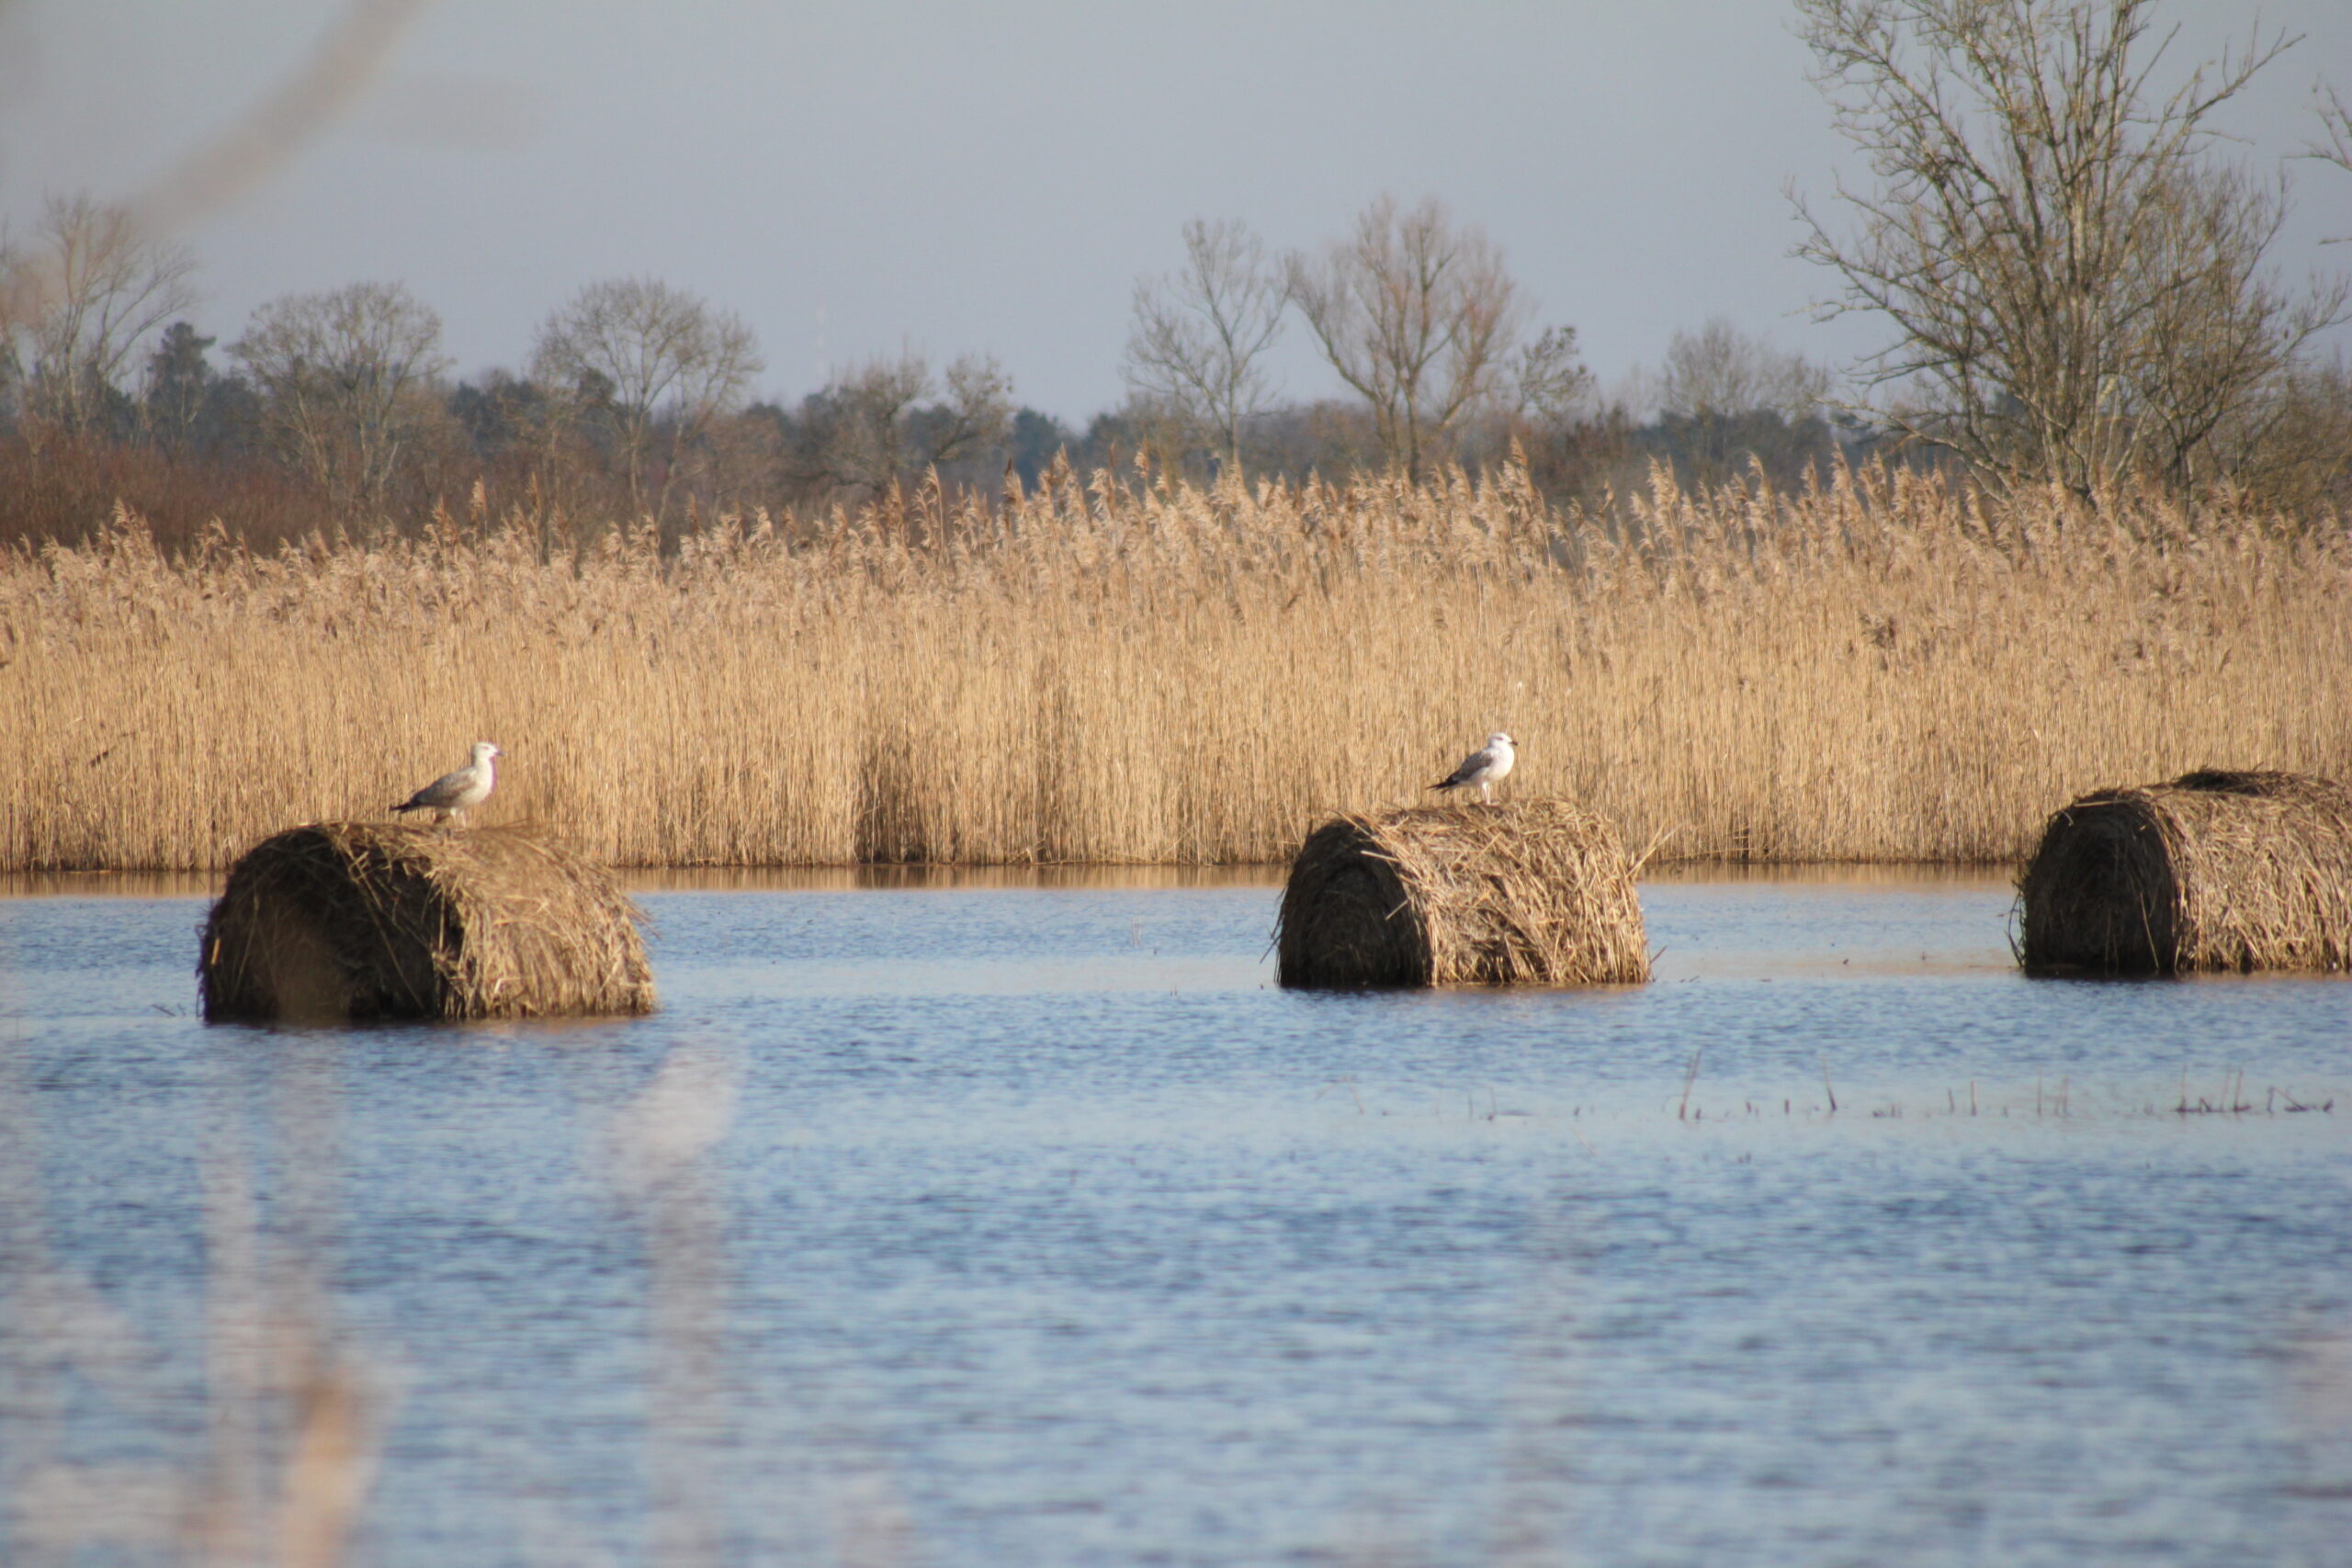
(1500,739)
(484,750)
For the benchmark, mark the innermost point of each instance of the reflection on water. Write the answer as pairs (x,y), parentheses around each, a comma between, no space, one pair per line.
(1030,1223)
(711,879)
(844,878)
(109,884)
(1851,875)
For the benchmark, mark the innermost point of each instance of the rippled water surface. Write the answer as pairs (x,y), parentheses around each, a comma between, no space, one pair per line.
(1004,1224)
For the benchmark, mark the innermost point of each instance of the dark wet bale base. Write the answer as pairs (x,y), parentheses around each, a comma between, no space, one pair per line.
(2215,871)
(1539,893)
(361,920)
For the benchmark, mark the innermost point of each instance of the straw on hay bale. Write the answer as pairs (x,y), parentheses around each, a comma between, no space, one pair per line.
(1536,893)
(2214,871)
(357,919)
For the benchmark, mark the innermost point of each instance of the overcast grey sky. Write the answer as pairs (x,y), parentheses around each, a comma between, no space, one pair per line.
(992,177)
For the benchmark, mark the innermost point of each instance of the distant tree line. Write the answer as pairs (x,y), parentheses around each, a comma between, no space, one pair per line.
(2075,288)
(334,412)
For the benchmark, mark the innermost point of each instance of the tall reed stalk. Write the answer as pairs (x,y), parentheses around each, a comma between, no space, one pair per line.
(1126,670)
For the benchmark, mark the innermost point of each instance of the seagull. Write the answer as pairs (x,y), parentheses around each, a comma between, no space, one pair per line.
(452,795)
(1484,767)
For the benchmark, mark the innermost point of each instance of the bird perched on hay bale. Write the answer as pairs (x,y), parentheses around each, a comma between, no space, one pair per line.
(2214,871)
(1540,893)
(362,919)
(453,794)
(1484,768)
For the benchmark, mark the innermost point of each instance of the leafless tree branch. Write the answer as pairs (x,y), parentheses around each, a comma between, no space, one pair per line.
(642,356)
(2077,288)
(1198,347)
(83,294)
(344,376)
(1417,316)
(890,418)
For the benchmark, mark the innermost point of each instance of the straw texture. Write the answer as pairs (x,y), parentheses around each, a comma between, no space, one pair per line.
(1536,893)
(355,919)
(2213,870)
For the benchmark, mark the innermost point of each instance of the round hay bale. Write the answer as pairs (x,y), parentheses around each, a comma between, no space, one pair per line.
(358,920)
(2214,871)
(1539,893)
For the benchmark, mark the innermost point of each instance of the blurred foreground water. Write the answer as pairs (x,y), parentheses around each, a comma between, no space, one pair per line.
(999,1221)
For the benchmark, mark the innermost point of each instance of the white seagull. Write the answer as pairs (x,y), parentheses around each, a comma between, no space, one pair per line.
(453,794)
(1484,767)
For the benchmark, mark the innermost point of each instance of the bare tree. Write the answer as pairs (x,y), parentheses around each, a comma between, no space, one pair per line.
(82,295)
(890,418)
(344,377)
(1545,378)
(1729,404)
(649,360)
(1201,335)
(1417,315)
(2077,288)
(1719,371)
(2333,144)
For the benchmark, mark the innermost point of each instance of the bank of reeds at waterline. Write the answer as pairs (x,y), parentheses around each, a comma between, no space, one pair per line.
(1114,670)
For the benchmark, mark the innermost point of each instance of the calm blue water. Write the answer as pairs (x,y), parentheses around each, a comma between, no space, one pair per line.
(1012,1224)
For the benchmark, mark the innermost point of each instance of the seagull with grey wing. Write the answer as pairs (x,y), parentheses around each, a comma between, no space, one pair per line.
(453,794)
(1484,767)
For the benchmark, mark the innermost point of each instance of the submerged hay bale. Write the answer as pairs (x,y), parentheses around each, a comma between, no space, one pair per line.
(2214,871)
(1538,893)
(356,920)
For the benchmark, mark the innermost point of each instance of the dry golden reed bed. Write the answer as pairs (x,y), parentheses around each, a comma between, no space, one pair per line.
(1124,671)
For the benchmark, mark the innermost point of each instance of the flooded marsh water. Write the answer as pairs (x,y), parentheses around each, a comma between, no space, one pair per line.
(997,1221)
